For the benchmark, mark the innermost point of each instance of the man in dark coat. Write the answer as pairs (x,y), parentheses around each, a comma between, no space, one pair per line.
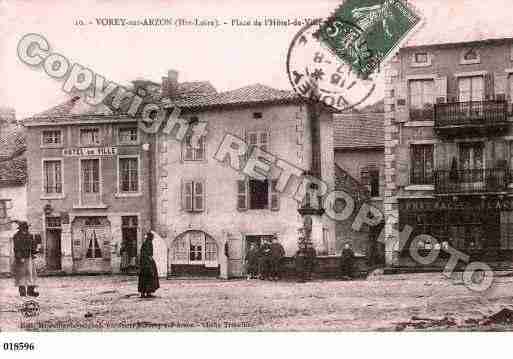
(252,261)
(25,248)
(347,262)
(264,257)
(148,275)
(310,256)
(300,263)
(277,254)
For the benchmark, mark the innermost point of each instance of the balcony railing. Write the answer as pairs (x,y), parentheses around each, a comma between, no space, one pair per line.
(471,114)
(472,181)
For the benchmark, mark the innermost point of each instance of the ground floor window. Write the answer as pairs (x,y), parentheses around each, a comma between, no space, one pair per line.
(195,247)
(470,229)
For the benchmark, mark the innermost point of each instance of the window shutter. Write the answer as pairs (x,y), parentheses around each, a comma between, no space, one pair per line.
(489,149)
(264,141)
(364,175)
(274,196)
(441,89)
(500,84)
(401,108)
(199,196)
(489,89)
(403,165)
(106,248)
(242,195)
(200,152)
(187,195)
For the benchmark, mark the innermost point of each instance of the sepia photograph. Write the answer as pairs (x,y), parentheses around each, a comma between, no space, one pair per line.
(219,168)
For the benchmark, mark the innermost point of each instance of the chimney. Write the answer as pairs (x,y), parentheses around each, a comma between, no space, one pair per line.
(170,84)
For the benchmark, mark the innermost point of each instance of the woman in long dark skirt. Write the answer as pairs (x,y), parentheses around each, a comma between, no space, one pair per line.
(148,275)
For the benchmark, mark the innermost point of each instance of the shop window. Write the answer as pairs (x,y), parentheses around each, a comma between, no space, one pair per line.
(421,94)
(195,247)
(93,246)
(129,174)
(52,137)
(52,180)
(421,164)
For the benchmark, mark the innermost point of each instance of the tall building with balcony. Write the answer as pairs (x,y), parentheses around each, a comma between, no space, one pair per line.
(449,147)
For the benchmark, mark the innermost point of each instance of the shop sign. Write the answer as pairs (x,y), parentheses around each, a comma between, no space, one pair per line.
(90,151)
(504,204)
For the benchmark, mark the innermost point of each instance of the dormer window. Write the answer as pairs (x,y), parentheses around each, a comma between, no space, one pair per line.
(257,115)
(470,56)
(421,59)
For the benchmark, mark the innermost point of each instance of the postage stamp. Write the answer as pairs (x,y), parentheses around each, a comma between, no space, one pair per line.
(336,60)
(315,72)
(364,33)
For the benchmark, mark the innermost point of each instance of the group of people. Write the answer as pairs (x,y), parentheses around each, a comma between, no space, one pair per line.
(265,261)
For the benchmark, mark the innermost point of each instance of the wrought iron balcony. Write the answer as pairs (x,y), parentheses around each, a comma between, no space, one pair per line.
(472,117)
(489,180)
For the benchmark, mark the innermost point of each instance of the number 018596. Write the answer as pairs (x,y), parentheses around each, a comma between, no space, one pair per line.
(19,346)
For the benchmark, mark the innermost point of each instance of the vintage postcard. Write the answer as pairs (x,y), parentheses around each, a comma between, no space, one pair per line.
(229,166)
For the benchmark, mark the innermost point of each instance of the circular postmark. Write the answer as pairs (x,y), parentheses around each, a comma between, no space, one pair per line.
(317,73)
(29,308)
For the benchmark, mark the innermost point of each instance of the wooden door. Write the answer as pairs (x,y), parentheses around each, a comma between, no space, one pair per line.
(53,249)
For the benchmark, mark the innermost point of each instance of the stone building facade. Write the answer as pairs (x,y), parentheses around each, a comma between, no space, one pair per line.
(208,212)
(88,191)
(448,148)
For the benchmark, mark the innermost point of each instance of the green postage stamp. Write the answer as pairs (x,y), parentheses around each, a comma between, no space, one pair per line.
(363,33)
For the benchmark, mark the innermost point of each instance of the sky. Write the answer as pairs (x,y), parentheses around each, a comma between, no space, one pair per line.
(228,56)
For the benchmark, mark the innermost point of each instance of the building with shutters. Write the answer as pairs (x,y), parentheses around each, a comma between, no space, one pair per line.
(88,192)
(449,146)
(210,213)
(359,171)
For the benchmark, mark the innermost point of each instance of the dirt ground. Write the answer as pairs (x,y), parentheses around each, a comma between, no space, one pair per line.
(384,302)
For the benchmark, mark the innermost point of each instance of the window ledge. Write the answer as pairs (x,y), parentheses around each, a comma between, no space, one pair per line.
(59,196)
(420,187)
(377,198)
(52,146)
(91,206)
(128,194)
(426,123)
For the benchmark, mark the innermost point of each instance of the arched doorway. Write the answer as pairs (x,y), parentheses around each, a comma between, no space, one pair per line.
(194,253)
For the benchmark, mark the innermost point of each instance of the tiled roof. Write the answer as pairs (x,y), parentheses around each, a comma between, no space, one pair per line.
(190,95)
(12,141)
(462,21)
(77,106)
(13,171)
(248,95)
(358,130)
